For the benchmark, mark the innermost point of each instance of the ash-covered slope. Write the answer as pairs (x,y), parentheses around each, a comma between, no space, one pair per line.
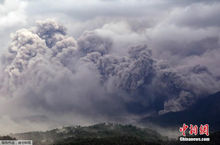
(205,110)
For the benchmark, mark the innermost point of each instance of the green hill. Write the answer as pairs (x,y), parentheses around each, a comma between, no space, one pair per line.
(106,134)
(97,134)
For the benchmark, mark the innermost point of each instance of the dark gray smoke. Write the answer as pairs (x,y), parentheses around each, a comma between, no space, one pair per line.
(48,73)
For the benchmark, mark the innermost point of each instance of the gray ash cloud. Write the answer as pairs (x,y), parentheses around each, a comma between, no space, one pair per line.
(49,73)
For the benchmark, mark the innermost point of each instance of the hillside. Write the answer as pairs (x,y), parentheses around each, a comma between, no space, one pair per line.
(96,134)
(106,134)
(205,110)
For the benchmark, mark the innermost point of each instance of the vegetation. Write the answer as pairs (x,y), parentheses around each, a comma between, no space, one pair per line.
(106,134)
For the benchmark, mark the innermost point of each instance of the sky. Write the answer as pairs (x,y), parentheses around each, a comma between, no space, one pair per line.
(69,62)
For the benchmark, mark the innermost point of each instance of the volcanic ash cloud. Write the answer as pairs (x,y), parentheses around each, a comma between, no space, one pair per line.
(48,73)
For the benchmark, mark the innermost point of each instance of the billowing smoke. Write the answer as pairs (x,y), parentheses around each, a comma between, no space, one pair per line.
(51,77)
